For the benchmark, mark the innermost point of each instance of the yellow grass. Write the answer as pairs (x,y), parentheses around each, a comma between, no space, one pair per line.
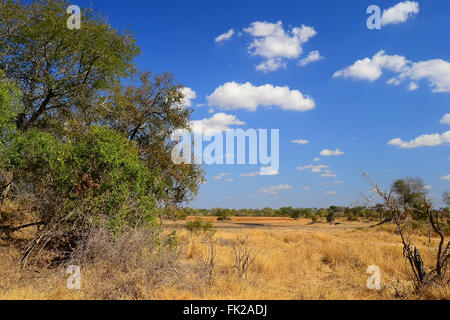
(294,260)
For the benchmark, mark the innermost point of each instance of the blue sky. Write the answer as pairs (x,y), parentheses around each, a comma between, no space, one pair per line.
(356,110)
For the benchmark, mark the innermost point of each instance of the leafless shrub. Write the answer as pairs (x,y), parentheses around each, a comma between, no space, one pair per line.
(244,257)
(128,264)
(208,258)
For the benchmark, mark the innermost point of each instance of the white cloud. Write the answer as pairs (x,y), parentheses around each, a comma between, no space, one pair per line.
(328,175)
(189,95)
(221,176)
(225,36)
(275,189)
(446,119)
(317,159)
(265,171)
(250,174)
(436,72)
(400,12)
(331,153)
(230,180)
(413,86)
(315,169)
(427,140)
(306,189)
(371,68)
(275,44)
(313,56)
(330,193)
(337,182)
(233,95)
(268,171)
(446,177)
(271,64)
(300,141)
(217,123)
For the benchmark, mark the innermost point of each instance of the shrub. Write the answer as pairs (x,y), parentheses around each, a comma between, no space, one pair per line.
(198,226)
(331,217)
(314,218)
(96,178)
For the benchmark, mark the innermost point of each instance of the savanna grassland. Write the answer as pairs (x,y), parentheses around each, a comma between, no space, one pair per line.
(293,260)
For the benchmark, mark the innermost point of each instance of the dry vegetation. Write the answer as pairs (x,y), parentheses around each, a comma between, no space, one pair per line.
(287,260)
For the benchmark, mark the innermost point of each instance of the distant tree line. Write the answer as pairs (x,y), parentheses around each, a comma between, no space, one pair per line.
(352,213)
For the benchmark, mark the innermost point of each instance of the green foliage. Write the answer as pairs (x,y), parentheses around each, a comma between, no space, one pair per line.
(9,108)
(198,226)
(331,217)
(315,218)
(293,213)
(410,192)
(99,175)
(149,114)
(60,72)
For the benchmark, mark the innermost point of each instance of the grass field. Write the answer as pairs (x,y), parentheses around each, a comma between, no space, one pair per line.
(294,259)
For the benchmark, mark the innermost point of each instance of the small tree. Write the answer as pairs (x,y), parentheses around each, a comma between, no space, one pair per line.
(331,217)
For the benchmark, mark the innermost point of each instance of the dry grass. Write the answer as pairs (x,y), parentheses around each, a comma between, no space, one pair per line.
(294,260)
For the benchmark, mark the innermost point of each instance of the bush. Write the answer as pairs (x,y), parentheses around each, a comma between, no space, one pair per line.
(331,217)
(96,178)
(314,218)
(129,264)
(198,226)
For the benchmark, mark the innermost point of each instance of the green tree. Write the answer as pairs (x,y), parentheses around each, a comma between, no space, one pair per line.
(61,73)
(9,108)
(410,192)
(331,216)
(149,113)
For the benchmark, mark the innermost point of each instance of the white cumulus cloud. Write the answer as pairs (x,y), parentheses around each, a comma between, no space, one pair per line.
(372,68)
(399,13)
(446,119)
(446,177)
(234,95)
(313,56)
(331,153)
(273,43)
(189,95)
(217,123)
(426,140)
(435,71)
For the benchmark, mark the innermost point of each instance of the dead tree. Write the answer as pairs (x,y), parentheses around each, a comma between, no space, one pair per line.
(402,217)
